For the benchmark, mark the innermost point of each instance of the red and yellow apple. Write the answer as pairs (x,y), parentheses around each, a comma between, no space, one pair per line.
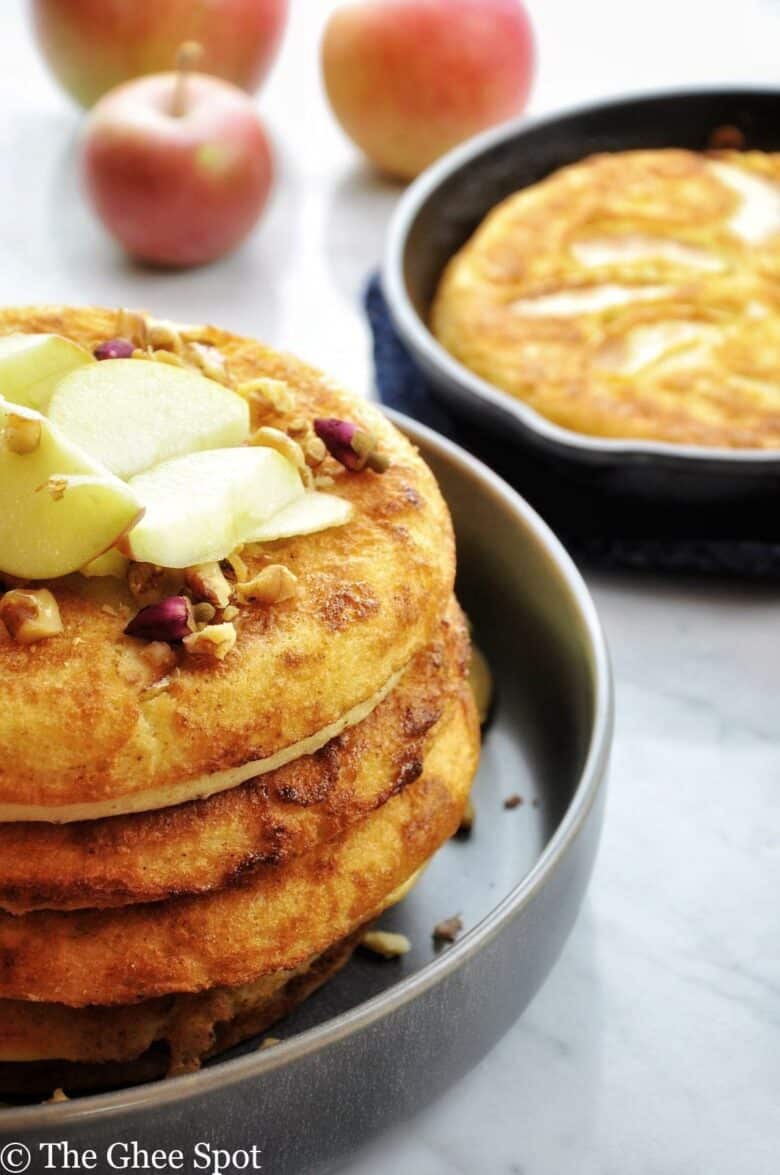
(408,79)
(93,45)
(178,167)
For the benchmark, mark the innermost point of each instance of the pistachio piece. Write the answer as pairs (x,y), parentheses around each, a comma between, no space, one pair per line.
(352,446)
(22,434)
(114,349)
(214,641)
(272,585)
(168,620)
(30,615)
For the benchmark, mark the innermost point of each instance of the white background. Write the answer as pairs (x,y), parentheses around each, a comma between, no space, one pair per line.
(654,1049)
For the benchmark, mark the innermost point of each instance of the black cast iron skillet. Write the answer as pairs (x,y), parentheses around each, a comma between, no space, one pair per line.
(442,209)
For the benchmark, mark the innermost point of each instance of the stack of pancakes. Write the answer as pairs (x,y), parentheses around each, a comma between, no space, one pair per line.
(634,294)
(188,850)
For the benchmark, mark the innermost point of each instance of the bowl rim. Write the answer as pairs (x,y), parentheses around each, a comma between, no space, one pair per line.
(416,335)
(170,1092)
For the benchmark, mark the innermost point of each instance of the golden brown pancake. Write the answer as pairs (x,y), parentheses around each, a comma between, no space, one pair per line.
(78,726)
(97,1048)
(202,846)
(632,295)
(276,919)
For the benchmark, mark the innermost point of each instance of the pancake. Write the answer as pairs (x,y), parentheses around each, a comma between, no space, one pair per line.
(274,920)
(631,295)
(101,1048)
(81,734)
(206,845)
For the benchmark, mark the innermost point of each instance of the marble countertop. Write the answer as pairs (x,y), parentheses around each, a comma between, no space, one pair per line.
(654,1048)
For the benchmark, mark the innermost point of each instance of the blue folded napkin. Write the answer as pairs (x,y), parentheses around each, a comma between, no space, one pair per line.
(597,526)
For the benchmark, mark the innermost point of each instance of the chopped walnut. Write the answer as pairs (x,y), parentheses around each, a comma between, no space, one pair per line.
(314,451)
(386,944)
(150,584)
(268,1043)
(215,641)
(274,438)
(208,359)
(132,325)
(268,395)
(448,929)
(230,612)
(207,582)
(163,336)
(30,615)
(272,585)
(237,566)
(22,434)
(169,357)
(59,1095)
(323,481)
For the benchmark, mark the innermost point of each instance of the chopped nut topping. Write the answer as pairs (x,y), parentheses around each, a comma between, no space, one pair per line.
(268,394)
(272,585)
(237,566)
(132,325)
(274,438)
(22,434)
(150,584)
(268,1043)
(323,480)
(30,615)
(314,451)
(230,612)
(208,359)
(168,620)
(215,640)
(163,336)
(448,929)
(59,1095)
(352,446)
(513,801)
(207,582)
(203,614)
(168,357)
(114,349)
(386,944)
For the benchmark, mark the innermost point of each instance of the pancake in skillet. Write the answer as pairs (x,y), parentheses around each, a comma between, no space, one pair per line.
(632,295)
(81,735)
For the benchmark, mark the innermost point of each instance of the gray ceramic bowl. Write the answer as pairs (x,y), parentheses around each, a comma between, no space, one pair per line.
(385,1037)
(441,210)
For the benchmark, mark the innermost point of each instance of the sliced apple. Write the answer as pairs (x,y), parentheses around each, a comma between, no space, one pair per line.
(32,365)
(59,509)
(110,563)
(134,414)
(312,512)
(202,506)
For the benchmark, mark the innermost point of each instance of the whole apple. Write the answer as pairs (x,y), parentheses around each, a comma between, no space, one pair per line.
(178,166)
(93,45)
(408,79)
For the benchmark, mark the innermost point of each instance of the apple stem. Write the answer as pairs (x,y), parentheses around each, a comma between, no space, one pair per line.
(188,56)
